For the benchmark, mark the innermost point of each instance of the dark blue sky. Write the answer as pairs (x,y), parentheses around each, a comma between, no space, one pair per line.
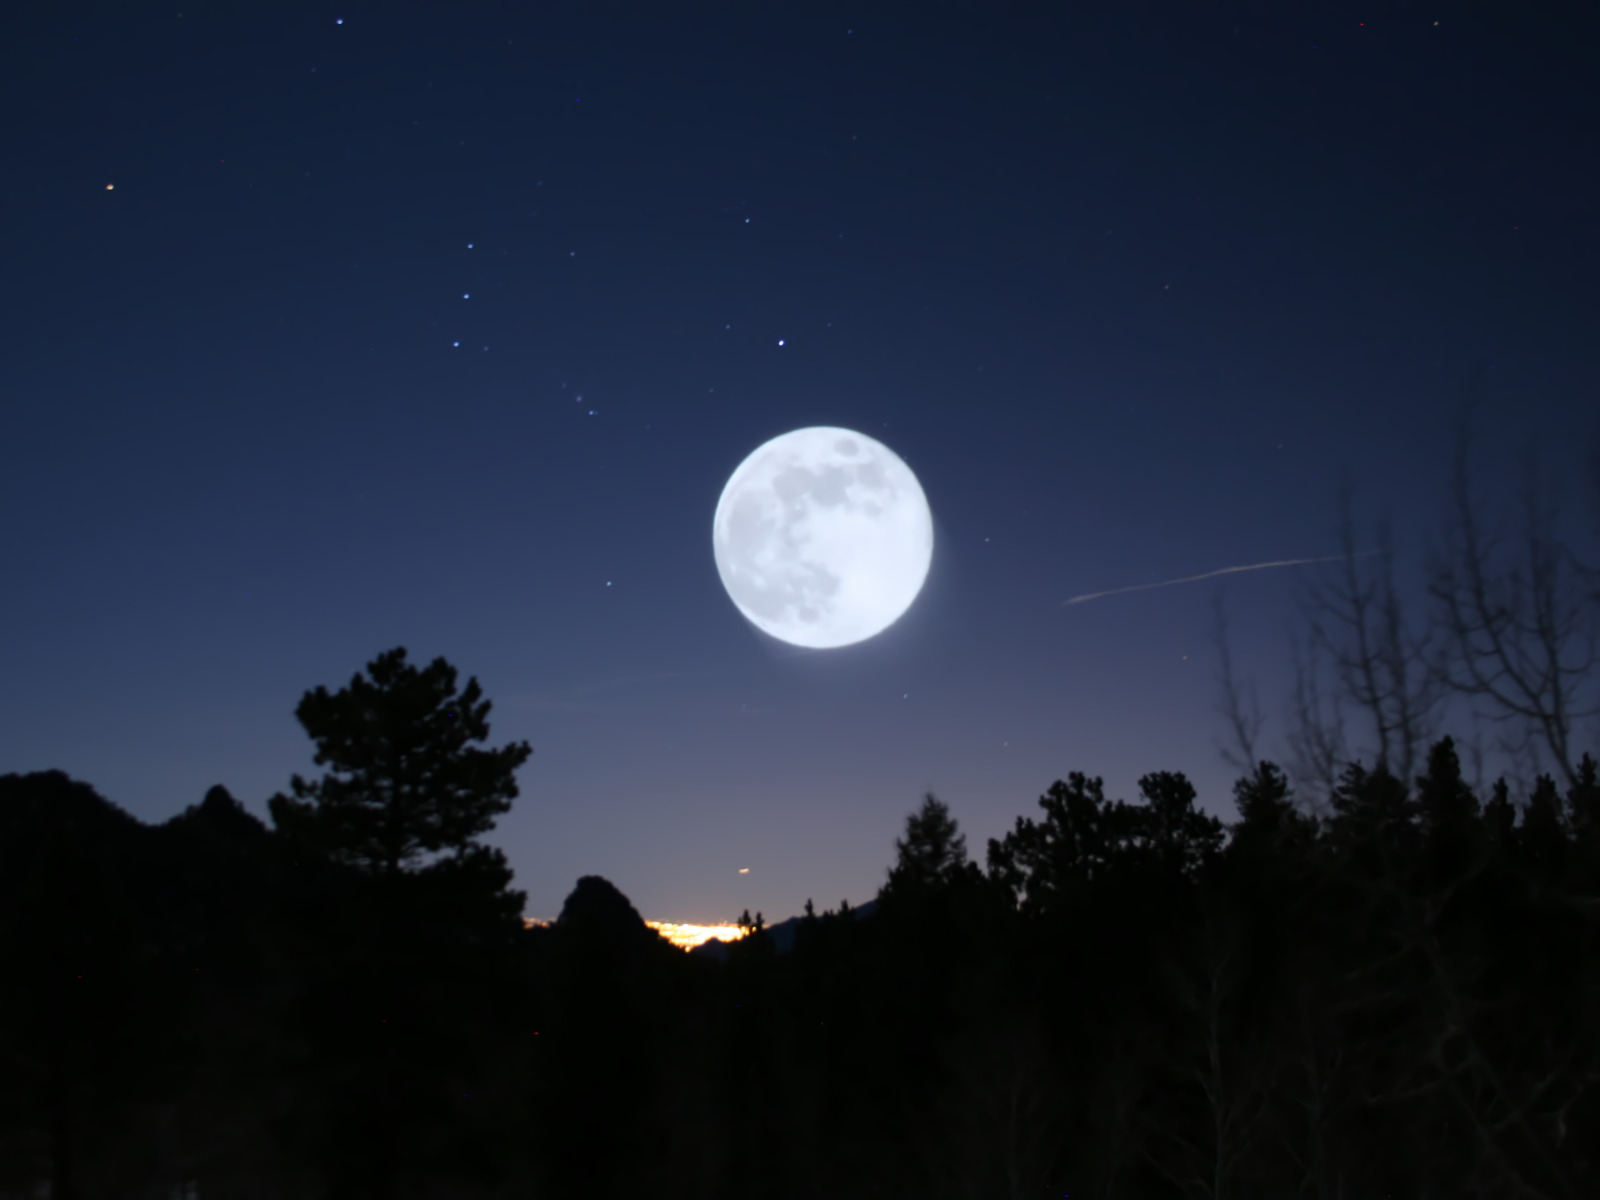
(1128,289)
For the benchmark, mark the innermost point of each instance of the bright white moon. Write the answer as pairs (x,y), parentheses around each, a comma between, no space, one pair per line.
(823,537)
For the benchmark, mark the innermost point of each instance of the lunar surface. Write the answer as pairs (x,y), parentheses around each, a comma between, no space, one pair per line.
(822,537)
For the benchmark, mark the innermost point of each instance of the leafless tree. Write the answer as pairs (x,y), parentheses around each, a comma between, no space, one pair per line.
(1015,1113)
(1515,1104)
(1519,624)
(1318,748)
(1312,1080)
(1362,686)
(1203,975)
(1380,662)
(1238,705)
(1316,741)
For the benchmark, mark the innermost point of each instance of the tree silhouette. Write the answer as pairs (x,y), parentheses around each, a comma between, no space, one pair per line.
(931,888)
(403,779)
(1268,819)
(1181,837)
(1583,802)
(1399,996)
(933,853)
(1039,860)
(392,946)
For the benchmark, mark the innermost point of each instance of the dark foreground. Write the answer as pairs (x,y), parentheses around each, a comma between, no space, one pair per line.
(1402,997)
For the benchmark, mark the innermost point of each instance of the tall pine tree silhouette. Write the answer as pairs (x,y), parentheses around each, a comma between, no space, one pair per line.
(403,778)
(394,946)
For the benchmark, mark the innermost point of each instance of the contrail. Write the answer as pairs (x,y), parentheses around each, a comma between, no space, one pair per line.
(1143,587)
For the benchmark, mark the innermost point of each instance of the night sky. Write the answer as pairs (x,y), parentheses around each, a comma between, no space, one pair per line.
(329,329)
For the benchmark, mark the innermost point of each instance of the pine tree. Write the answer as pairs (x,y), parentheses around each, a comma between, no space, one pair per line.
(403,780)
(1042,862)
(1499,816)
(1449,813)
(1583,802)
(1262,799)
(1180,836)
(395,947)
(1543,836)
(933,853)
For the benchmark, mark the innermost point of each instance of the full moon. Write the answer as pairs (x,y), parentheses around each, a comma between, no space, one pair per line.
(822,537)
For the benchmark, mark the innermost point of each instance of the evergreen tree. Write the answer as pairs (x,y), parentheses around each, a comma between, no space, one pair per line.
(1500,816)
(1262,798)
(932,855)
(1042,862)
(395,948)
(1373,819)
(1543,836)
(1181,837)
(1448,810)
(1444,800)
(1583,804)
(403,779)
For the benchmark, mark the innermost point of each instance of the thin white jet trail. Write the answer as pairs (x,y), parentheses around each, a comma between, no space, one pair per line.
(1144,587)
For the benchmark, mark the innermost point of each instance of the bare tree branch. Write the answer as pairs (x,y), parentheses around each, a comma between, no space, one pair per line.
(1520,628)
(1358,624)
(1240,709)
(1317,746)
